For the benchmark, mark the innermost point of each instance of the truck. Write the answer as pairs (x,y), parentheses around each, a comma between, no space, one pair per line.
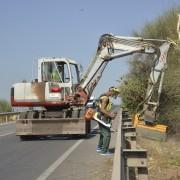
(57,98)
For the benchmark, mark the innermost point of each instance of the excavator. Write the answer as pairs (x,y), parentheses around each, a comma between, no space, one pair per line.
(57,98)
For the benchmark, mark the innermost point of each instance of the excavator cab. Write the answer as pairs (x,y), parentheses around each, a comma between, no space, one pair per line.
(48,96)
(57,80)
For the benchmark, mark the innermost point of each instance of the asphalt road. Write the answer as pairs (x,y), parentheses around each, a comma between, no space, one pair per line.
(7,129)
(52,158)
(37,159)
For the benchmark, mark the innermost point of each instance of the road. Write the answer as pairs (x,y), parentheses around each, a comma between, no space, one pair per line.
(51,158)
(7,129)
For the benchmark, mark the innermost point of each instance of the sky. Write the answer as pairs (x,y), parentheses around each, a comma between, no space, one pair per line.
(31,29)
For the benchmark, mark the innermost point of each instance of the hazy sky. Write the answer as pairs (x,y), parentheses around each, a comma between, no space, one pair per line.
(30,29)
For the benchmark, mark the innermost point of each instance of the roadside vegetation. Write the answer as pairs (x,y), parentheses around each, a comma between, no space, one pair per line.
(5,106)
(133,86)
(163,162)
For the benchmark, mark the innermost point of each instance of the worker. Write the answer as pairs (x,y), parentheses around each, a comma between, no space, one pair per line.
(55,75)
(105,114)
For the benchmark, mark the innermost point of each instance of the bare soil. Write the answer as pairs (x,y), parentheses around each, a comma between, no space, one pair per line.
(163,158)
(103,172)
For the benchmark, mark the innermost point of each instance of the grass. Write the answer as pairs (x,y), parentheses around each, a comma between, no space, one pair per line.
(175,161)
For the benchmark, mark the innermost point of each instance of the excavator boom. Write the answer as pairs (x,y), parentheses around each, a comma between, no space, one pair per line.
(111,47)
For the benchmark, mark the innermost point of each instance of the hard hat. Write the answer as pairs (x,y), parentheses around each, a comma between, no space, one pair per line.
(114,89)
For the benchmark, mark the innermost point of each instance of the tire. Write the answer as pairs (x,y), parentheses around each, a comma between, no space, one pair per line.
(23,138)
(27,137)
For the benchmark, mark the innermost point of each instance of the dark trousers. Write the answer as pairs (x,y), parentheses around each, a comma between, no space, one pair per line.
(104,139)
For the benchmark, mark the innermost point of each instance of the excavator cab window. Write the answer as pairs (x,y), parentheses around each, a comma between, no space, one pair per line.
(74,73)
(74,76)
(66,75)
(55,72)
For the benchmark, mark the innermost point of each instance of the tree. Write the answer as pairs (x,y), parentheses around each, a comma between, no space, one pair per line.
(5,106)
(134,84)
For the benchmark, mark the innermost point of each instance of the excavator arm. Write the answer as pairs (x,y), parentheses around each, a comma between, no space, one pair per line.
(156,77)
(111,47)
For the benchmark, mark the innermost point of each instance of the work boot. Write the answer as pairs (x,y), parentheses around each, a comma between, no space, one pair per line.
(108,153)
(98,149)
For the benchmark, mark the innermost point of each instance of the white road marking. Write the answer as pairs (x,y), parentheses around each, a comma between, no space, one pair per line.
(6,134)
(3,124)
(60,160)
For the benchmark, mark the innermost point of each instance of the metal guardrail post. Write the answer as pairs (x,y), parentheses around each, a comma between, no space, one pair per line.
(6,116)
(6,119)
(117,173)
(130,162)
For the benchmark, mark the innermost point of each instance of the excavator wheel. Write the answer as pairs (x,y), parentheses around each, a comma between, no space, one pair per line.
(28,137)
(24,138)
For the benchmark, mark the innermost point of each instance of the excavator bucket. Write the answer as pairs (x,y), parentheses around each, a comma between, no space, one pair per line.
(149,117)
(155,132)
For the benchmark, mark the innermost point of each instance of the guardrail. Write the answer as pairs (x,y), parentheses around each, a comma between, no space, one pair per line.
(8,116)
(130,161)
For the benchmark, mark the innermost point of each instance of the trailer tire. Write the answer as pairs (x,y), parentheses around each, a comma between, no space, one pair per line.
(23,138)
(26,137)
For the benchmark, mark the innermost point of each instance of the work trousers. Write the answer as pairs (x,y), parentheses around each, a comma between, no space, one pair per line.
(105,137)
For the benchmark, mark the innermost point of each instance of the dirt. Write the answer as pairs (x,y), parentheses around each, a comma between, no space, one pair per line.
(104,172)
(163,158)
